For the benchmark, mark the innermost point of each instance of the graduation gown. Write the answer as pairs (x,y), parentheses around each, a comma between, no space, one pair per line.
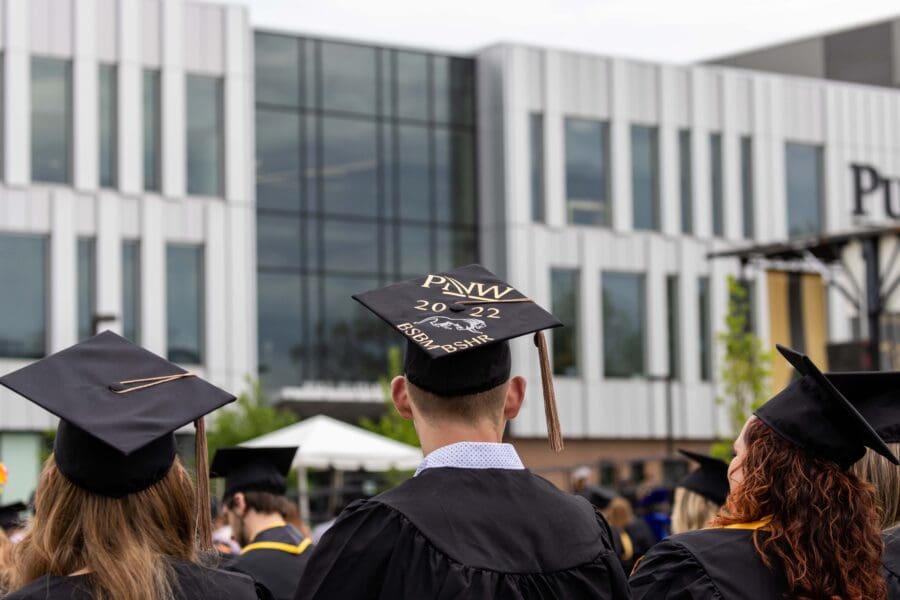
(275,558)
(890,562)
(491,534)
(719,564)
(194,583)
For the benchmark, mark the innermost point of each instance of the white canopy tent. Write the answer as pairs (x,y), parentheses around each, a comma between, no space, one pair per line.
(328,443)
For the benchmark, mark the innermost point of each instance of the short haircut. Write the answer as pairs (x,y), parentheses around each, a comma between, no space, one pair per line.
(471,408)
(262,502)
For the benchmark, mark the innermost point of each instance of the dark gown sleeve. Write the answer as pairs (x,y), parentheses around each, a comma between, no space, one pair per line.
(350,560)
(670,571)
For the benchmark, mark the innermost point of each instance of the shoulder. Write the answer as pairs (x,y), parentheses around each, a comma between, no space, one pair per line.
(890,560)
(50,587)
(670,569)
(197,581)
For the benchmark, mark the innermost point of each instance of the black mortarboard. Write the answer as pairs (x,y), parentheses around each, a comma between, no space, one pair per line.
(598,495)
(119,406)
(457,325)
(11,515)
(253,469)
(710,480)
(813,414)
(876,395)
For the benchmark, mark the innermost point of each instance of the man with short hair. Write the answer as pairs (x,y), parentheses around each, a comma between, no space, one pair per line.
(473,522)
(273,552)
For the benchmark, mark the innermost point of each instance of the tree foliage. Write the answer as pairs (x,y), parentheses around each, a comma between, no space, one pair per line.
(249,417)
(391,424)
(746,366)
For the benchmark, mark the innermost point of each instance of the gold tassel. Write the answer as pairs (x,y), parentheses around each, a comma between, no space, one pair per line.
(554,433)
(201,460)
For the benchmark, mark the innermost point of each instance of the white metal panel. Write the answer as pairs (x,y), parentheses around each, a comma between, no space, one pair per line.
(173,98)
(85,97)
(62,324)
(130,95)
(109,260)
(203,38)
(16,92)
(713,93)
(85,215)
(586,85)
(130,217)
(536,78)
(153,276)
(151,33)
(25,210)
(239,117)
(108,19)
(643,92)
(679,96)
(620,147)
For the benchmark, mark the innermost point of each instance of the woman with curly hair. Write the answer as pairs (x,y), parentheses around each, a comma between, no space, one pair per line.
(797,524)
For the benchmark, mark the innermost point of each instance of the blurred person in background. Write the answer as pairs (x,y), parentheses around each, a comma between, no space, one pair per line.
(700,494)
(273,552)
(12,522)
(797,523)
(116,514)
(635,535)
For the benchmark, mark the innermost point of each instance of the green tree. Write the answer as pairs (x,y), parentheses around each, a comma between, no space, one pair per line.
(249,417)
(391,424)
(746,367)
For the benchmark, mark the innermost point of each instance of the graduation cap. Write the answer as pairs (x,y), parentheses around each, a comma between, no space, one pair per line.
(10,515)
(253,469)
(876,395)
(598,495)
(710,480)
(457,325)
(119,406)
(813,414)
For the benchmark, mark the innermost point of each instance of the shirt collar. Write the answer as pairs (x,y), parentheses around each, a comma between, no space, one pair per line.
(473,455)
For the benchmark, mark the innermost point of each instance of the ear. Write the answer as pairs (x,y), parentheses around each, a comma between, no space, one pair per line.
(400,397)
(515,395)
(240,504)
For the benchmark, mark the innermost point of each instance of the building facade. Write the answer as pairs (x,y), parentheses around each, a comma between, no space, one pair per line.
(126,199)
(217,194)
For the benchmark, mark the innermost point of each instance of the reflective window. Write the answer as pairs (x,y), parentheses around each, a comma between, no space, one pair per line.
(108,119)
(645,177)
(87,284)
(412,86)
(413,181)
(536,148)
(278,241)
(673,325)
(280,327)
(185,303)
(747,185)
(23,308)
(278,159)
(455,247)
(350,246)
(51,120)
(152,130)
(454,173)
(454,90)
(415,250)
(349,78)
(805,189)
(277,69)
(204,135)
(623,324)
(587,172)
(131,290)
(717,184)
(704,318)
(685,181)
(349,167)
(565,289)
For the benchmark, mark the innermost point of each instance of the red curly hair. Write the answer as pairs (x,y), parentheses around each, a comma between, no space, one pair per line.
(824,534)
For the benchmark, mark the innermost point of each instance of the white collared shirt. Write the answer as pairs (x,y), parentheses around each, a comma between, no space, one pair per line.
(473,455)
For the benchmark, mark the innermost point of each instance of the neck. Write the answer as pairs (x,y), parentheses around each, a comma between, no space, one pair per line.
(255,522)
(437,435)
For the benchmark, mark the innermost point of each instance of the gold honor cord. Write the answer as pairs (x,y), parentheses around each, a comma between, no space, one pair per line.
(150,382)
(554,431)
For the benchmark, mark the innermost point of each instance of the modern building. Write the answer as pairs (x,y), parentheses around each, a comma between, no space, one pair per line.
(126,200)
(130,199)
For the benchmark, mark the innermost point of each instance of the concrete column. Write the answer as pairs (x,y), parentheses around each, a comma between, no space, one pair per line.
(130,130)
(16,93)
(85,142)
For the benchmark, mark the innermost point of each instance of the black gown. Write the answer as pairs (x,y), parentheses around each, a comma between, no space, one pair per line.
(194,583)
(275,558)
(719,564)
(890,562)
(466,533)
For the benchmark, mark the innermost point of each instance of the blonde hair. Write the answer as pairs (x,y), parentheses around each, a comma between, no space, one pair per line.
(124,543)
(885,476)
(487,405)
(619,512)
(691,511)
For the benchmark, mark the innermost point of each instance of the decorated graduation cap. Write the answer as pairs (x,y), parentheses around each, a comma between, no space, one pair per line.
(119,406)
(253,469)
(11,515)
(710,480)
(813,414)
(876,395)
(457,325)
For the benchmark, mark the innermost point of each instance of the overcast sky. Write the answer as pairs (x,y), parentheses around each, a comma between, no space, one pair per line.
(659,30)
